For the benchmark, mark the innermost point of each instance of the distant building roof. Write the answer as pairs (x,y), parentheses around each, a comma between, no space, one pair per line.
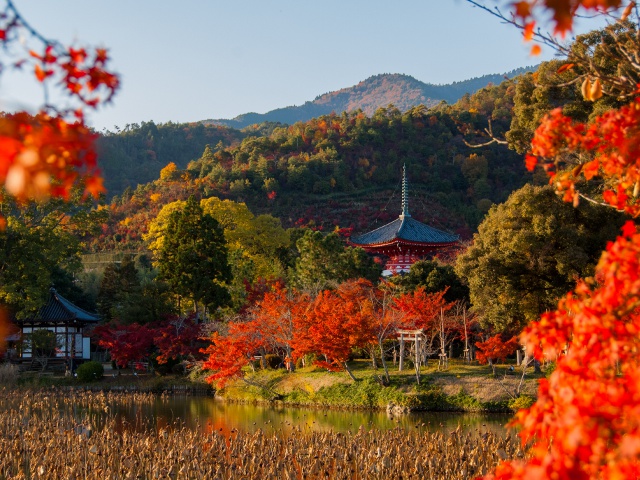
(404,228)
(59,309)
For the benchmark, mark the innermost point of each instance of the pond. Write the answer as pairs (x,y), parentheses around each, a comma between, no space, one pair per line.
(94,435)
(207,414)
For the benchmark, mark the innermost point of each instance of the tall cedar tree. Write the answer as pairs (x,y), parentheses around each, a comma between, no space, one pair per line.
(193,257)
(119,281)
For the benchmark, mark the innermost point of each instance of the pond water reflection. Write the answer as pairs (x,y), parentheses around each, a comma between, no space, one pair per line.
(207,414)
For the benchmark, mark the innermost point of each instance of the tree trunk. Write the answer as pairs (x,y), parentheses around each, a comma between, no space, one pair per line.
(374,364)
(346,367)
(292,367)
(417,358)
(263,361)
(384,362)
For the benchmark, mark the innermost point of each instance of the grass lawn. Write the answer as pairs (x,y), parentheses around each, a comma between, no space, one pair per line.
(469,387)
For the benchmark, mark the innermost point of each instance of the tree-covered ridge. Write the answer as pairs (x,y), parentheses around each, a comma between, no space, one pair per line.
(352,151)
(345,170)
(377,91)
(136,154)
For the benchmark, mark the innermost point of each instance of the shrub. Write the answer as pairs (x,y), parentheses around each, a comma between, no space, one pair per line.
(465,402)
(197,374)
(90,371)
(551,366)
(8,374)
(523,401)
(432,399)
(273,361)
(366,393)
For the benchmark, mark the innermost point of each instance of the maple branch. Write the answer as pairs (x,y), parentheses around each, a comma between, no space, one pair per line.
(596,202)
(494,139)
(543,38)
(625,84)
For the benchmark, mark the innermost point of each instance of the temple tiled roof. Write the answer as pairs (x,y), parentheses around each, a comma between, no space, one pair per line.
(404,228)
(59,309)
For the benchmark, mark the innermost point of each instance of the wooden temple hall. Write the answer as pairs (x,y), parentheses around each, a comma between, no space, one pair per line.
(67,321)
(405,240)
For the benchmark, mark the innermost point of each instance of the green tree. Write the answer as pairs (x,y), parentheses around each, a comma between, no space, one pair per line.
(42,240)
(193,257)
(529,251)
(66,284)
(434,276)
(120,281)
(324,261)
(258,239)
(43,344)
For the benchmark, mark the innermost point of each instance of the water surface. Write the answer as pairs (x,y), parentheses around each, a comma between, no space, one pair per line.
(207,414)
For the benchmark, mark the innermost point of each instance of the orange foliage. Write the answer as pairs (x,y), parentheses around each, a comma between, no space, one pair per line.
(271,326)
(421,309)
(36,149)
(337,322)
(292,324)
(586,421)
(611,140)
(495,349)
(562,11)
(46,154)
(229,354)
(275,316)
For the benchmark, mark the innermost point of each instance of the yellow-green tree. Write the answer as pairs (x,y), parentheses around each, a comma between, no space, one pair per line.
(193,257)
(258,240)
(254,243)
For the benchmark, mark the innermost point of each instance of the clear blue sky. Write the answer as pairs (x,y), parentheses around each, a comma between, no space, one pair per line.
(191,60)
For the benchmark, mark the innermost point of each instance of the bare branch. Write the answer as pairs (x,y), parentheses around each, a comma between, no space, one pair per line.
(494,139)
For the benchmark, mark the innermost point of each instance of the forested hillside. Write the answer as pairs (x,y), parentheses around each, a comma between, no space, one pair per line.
(377,91)
(137,153)
(344,170)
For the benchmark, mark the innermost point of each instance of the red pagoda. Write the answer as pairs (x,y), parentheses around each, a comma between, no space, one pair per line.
(405,240)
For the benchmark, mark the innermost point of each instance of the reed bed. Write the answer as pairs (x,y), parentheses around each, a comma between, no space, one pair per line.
(74,435)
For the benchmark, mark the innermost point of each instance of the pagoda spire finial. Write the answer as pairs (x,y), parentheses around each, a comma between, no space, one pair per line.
(405,193)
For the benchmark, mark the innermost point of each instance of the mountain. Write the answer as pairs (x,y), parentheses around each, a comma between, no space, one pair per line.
(344,170)
(403,91)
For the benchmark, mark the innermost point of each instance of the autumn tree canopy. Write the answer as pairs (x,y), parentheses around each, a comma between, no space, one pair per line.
(41,240)
(584,423)
(528,252)
(193,257)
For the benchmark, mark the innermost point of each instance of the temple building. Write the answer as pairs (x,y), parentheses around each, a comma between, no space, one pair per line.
(405,240)
(67,321)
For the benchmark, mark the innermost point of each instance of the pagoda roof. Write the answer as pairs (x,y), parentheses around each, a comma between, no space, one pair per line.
(404,228)
(59,309)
